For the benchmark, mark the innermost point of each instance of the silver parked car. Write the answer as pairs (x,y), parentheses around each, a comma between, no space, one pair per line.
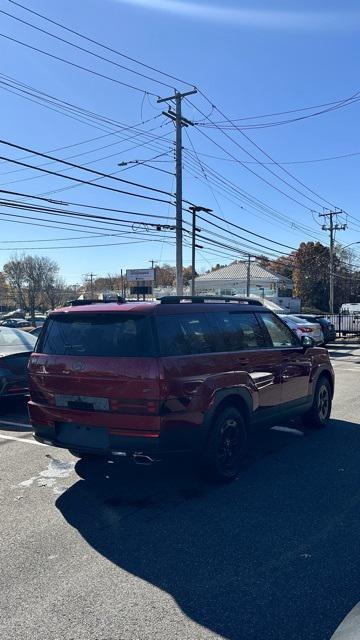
(15,349)
(304,328)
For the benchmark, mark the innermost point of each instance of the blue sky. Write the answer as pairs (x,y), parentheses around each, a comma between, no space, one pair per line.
(248,58)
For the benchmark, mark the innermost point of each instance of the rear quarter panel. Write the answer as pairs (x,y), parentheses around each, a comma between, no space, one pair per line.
(190,385)
(320,364)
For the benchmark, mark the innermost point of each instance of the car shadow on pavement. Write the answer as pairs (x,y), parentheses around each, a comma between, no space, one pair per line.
(271,556)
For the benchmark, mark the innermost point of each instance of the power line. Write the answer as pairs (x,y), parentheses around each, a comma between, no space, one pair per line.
(97,179)
(66,108)
(82,168)
(77,66)
(217,235)
(81,246)
(54,224)
(287,195)
(84,165)
(70,213)
(86,182)
(258,211)
(267,125)
(282,113)
(99,44)
(226,185)
(257,235)
(81,204)
(280,167)
(285,162)
(96,55)
(93,235)
(213,215)
(270,184)
(77,144)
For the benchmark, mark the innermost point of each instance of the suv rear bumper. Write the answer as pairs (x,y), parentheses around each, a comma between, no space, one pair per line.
(147,438)
(121,446)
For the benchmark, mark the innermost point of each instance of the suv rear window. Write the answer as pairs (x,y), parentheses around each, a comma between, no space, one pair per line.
(97,334)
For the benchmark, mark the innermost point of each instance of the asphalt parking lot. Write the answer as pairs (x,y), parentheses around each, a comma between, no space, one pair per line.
(115,552)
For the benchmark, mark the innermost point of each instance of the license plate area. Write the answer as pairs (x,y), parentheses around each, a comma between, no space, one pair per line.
(82,435)
(82,403)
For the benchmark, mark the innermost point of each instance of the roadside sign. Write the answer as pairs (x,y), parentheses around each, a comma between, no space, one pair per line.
(140,291)
(143,275)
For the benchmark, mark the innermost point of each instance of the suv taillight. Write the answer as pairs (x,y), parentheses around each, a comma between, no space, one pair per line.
(305,329)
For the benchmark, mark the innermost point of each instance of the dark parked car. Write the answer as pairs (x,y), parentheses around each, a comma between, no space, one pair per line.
(15,323)
(39,320)
(144,380)
(15,349)
(327,327)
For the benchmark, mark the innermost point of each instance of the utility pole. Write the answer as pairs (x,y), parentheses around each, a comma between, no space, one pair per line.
(248,276)
(91,276)
(194,210)
(331,228)
(193,240)
(153,262)
(122,283)
(180,122)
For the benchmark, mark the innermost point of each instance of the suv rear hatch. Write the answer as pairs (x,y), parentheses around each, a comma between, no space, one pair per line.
(96,369)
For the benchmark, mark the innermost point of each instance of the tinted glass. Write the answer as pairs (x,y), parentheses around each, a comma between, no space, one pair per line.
(16,339)
(237,331)
(184,334)
(280,334)
(97,334)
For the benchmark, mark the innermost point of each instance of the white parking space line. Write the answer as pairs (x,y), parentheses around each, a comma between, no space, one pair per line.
(16,424)
(25,441)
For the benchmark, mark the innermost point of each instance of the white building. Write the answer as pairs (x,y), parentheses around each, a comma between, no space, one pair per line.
(232,280)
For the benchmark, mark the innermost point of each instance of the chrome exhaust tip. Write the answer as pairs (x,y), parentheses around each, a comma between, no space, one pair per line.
(143,459)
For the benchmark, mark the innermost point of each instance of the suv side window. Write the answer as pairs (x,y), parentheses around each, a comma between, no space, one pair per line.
(184,334)
(280,334)
(234,331)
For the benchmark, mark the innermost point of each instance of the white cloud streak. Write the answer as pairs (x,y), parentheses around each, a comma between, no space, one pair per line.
(255,18)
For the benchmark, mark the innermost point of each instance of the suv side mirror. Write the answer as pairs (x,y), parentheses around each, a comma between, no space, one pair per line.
(307,341)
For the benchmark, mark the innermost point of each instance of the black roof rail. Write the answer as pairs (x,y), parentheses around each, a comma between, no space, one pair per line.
(203,299)
(83,302)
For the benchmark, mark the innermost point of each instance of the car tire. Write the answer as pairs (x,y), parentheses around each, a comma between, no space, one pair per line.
(319,414)
(227,446)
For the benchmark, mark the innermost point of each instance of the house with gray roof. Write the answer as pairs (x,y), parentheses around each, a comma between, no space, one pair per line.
(231,280)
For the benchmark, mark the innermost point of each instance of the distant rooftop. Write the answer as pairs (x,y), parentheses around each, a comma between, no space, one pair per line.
(238,271)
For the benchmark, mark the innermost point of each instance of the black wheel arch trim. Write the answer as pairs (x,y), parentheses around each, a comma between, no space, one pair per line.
(232,396)
(325,372)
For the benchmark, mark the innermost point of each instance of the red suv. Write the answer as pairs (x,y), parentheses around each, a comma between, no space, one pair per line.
(144,380)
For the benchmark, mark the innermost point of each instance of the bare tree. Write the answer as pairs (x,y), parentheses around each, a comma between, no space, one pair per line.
(27,277)
(55,291)
(14,272)
(5,297)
